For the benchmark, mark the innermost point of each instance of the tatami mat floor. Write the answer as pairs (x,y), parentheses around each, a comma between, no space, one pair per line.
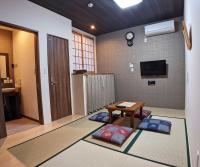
(59,146)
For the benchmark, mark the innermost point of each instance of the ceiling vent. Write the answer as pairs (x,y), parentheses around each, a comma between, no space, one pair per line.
(160,28)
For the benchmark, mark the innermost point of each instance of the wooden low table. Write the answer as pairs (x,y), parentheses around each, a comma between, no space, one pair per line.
(129,110)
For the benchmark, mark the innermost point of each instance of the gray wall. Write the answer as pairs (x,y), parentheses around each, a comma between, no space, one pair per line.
(114,56)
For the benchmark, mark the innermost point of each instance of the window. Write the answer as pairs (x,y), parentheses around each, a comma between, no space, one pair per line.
(83,52)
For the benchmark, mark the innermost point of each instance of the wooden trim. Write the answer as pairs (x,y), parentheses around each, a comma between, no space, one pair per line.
(30,118)
(3,132)
(18,27)
(94,50)
(7,63)
(187,35)
(37,64)
(57,37)
(82,51)
(38,80)
(75,32)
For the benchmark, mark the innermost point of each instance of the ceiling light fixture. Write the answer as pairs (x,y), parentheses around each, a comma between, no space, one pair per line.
(90,5)
(92,27)
(127,3)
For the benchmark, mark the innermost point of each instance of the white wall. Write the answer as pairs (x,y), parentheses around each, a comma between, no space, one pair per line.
(27,14)
(192,17)
(24,71)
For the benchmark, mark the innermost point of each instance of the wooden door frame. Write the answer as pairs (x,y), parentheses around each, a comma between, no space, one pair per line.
(3,132)
(37,65)
(68,69)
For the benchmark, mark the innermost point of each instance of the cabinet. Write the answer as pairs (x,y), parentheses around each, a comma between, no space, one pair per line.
(11,101)
(92,92)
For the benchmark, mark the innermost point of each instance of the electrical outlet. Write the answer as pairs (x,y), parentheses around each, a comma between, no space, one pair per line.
(198,154)
(151,83)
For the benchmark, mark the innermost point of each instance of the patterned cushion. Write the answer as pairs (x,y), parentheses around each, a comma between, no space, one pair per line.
(113,134)
(145,113)
(102,117)
(156,125)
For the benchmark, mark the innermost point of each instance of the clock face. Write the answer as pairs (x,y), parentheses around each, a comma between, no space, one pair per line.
(130,36)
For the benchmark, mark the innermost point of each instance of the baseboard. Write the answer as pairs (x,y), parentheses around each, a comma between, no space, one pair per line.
(30,118)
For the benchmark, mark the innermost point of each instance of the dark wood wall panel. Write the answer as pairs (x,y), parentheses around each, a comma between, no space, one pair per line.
(108,17)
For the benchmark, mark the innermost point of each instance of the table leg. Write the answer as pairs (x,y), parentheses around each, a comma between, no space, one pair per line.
(110,117)
(132,117)
(141,109)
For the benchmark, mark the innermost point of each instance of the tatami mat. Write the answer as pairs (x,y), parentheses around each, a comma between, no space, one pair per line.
(125,121)
(166,112)
(112,146)
(170,149)
(84,154)
(49,147)
(37,150)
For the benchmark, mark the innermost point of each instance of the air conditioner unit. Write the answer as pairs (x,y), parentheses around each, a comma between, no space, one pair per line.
(160,28)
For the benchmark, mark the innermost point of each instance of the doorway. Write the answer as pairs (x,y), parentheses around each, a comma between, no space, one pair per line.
(59,77)
(20,99)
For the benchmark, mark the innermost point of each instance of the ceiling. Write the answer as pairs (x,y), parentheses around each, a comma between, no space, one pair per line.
(108,17)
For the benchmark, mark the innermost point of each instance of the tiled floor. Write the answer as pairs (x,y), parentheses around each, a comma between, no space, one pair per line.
(19,125)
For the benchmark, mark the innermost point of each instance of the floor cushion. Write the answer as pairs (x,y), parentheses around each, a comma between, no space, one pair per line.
(102,117)
(114,134)
(145,114)
(155,125)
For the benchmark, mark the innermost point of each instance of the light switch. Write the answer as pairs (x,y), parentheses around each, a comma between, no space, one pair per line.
(131,65)
(132,69)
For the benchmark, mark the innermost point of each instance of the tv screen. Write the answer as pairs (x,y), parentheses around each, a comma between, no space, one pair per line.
(153,68)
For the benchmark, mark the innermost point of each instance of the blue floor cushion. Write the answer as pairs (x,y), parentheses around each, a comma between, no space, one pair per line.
(114,134)
(102,117)
(155,125)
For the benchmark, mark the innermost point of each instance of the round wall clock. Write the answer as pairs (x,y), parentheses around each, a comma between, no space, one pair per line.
(129,37)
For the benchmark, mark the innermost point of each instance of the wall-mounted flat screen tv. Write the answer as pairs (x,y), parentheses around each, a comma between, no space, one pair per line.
(153,68)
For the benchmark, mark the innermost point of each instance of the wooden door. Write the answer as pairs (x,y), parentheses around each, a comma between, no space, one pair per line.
(59,77)
(2,117)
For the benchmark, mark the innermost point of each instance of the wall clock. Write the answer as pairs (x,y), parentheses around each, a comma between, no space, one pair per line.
(129,37)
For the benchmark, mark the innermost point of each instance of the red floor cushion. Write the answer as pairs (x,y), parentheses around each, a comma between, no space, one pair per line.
(114,134)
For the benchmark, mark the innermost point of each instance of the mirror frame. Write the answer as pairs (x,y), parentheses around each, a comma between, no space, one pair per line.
(7,64)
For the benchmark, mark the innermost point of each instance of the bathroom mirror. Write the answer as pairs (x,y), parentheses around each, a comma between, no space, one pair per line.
(4,65)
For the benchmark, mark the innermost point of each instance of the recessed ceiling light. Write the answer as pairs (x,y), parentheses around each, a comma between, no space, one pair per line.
(90,5)
(127,3)
(92,27)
